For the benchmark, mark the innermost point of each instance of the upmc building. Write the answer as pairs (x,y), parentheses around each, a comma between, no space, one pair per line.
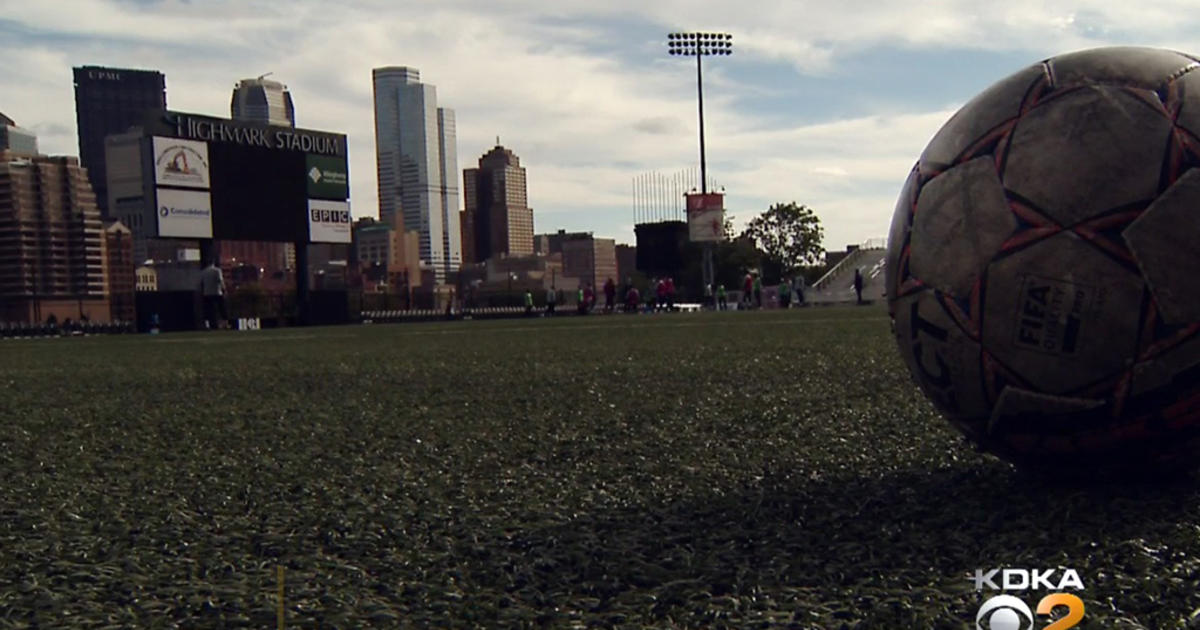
(211,178)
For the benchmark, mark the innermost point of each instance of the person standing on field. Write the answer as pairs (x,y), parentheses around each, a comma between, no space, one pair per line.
(632,300)
(212,286)
(748,289)
(858,285)
(610,295)
(528,302)
(722,303)
(758,291)
(551,300)
(785,294)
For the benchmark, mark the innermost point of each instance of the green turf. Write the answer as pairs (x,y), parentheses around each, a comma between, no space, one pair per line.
(717,470)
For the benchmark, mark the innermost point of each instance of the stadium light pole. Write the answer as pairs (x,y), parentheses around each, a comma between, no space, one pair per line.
(701,44)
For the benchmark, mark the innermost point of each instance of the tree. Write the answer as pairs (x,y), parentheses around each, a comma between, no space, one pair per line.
(789,236)
(734,258)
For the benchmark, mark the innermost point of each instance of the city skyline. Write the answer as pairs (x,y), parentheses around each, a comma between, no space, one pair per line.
(828,107)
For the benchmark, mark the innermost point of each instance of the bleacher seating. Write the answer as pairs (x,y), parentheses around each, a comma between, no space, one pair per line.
(837,285)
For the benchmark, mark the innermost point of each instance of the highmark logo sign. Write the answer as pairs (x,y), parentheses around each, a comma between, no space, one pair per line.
(1009,612)
(327,177)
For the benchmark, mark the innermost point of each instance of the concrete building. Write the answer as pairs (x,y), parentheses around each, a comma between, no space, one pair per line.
(591,260)
(626,262)
(51,241)
(147,279)
(15,139)
(390,257)
(552,243)
(522,272)
(177,275)
(263,100)
(417,165)
(497,207)
(119,271)
(466,226)
(108,101)
(267,256)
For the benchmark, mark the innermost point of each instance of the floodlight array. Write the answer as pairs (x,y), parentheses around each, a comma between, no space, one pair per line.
(700,44)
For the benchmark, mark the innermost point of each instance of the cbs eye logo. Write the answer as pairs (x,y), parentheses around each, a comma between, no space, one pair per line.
(1005,612)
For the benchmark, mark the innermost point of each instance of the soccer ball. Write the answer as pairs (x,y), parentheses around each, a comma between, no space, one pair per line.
(1043,272)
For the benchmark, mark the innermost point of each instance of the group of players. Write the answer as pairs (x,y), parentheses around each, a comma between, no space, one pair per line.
(661,299)
(661,296)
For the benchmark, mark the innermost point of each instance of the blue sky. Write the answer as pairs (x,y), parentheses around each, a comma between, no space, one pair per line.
(824,103)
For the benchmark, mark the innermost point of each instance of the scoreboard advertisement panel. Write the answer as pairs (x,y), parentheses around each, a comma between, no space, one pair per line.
(329,221)
(260,182)
(180,163)
(184,213)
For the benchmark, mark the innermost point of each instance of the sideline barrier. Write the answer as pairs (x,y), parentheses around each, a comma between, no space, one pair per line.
(29,330)
(498,312)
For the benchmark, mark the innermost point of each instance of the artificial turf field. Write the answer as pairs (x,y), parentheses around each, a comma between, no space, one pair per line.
(763,469)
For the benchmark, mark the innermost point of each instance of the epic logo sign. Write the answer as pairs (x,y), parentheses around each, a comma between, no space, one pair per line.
(1006,612)
(328,221)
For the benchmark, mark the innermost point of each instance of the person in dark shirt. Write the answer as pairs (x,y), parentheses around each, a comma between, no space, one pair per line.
(212,286)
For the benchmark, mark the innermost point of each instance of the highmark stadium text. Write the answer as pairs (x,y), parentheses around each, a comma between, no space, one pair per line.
(271,138)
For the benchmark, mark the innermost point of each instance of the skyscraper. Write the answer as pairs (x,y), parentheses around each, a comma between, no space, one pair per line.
(417,162)
(497,204)
(263,100)
(109,101)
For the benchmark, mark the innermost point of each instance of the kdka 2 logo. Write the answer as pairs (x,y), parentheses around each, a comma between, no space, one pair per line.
(1009,612)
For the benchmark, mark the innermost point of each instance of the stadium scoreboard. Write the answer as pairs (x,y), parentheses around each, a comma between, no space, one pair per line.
(205,177)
